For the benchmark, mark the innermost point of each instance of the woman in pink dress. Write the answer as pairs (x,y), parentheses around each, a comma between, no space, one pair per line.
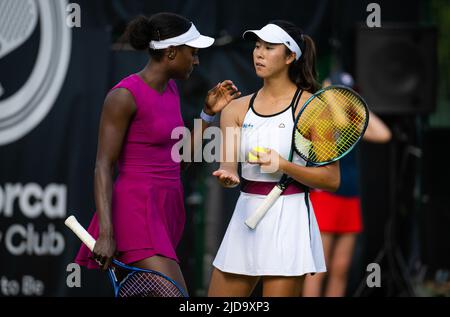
(140,216)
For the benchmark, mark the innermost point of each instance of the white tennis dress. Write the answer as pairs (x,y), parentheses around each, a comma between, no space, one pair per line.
(287,241)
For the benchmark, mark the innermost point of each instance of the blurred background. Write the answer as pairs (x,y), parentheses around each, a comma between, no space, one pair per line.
(54,77)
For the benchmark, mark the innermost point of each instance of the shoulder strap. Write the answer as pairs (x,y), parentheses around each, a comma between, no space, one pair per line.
(294,107)
(252,100)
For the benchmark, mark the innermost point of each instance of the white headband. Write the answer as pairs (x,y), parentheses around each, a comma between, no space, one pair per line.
(272,33)
(191,38)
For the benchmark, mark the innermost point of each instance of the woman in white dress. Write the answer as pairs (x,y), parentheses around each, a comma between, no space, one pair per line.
(286,244)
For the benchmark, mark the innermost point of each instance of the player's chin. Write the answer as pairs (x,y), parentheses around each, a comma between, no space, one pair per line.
(183,75)
(188,73)
(261,73)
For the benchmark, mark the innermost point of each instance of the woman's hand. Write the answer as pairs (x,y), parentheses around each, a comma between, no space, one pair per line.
(104,251)
(269,160)
(226,178)
(220,96)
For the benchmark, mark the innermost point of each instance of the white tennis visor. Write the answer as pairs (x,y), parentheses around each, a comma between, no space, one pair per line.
(191,38)
(272,33)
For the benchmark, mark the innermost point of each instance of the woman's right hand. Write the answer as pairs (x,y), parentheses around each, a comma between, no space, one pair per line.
(226,178)
(104,251)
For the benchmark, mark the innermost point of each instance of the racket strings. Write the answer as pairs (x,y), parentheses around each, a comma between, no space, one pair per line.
(145,284)
(330,125)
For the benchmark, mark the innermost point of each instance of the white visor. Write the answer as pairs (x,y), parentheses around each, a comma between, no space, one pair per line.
(272,33)
(191,38)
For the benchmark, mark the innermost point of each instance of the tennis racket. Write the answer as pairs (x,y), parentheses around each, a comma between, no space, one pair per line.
(136,282)
(330,123)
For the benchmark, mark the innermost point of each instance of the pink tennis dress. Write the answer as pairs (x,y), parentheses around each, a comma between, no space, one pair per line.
(147,201)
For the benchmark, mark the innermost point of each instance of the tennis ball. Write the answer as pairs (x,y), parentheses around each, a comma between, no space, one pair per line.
(252,157)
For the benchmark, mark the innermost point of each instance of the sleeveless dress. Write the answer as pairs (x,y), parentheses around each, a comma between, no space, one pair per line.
(147,200)
(287,241)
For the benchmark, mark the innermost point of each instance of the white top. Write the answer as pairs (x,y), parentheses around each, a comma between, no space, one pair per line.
(274,132)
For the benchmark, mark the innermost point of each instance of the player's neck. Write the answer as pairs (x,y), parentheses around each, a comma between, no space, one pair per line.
(278,87)
(155,75)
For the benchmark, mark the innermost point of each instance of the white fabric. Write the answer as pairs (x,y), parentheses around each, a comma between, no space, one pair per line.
(191,38)
(272,33)
(268,132)
(279,245)
(285,242)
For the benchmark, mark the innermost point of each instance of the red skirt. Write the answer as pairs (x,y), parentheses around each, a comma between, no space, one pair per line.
(335,213)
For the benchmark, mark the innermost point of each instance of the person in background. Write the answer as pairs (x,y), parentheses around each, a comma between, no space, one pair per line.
(339,213)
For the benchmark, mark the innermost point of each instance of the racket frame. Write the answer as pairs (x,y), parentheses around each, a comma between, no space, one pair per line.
(133,270)
(89,241)
(337,158)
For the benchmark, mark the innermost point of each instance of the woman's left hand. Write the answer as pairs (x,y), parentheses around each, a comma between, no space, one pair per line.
(220,96)
(269,160)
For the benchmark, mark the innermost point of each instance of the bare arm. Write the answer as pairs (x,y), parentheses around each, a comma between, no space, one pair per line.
(118,110)
(325,177)
(377,131)
(231,131)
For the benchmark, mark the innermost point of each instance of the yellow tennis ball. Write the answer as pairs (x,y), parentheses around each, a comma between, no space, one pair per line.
(259,149)
(252,157)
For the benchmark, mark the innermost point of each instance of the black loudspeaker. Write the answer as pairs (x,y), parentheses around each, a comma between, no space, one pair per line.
(396,68)
(435,215)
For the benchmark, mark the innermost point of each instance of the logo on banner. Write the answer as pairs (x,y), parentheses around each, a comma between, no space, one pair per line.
(31,201)
(23,109)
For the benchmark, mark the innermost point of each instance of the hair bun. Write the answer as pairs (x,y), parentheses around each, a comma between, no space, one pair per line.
(139,33)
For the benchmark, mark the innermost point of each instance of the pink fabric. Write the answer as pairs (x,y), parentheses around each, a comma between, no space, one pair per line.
(147,201)
(264,188)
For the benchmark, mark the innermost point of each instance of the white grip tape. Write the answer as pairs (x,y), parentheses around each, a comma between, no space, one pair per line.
(84,236)
(268,202)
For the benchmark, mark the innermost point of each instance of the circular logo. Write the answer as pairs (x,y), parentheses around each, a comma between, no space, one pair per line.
(28,106)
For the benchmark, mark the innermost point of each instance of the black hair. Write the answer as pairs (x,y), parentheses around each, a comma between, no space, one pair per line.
(303,71)
(160,26)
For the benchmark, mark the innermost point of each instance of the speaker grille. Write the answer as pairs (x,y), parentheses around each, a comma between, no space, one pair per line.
(396,69)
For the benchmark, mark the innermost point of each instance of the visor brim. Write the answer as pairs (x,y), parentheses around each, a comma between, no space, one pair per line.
(201,42)
(253,35)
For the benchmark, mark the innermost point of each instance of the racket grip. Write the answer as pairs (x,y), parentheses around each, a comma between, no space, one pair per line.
(81,233)
(268,202)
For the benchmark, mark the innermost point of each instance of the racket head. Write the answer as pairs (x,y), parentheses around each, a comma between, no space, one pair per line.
(137,282)
(329,125)
(143,283)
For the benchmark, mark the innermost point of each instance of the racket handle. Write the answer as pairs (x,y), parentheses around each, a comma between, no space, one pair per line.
(268,202)
(84,236)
